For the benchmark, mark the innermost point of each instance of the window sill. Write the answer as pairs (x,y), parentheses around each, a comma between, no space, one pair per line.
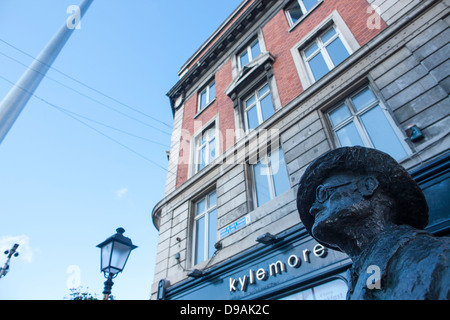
(204,108)
(305,16)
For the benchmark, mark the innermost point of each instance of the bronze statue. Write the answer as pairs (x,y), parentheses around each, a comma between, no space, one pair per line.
(362,202)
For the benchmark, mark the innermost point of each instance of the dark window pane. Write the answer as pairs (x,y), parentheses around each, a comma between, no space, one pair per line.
(212,91)
(256,50)
(200,240)
(244,59)
(337,51)
(294,11)
(203,99)
(363,99)
(279,173)
(212,232)
(311,49)
(309,4)
(381,133)
(261,173)
(349,136)
(252,118)
(339,115)
(328,35)
(318,66)
(267,107)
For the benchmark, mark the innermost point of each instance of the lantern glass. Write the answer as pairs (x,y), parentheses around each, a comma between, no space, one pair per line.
(119,257)
(106,255)
(115,252)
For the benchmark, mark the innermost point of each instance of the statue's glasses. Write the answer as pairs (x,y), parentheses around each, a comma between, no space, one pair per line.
(323,192)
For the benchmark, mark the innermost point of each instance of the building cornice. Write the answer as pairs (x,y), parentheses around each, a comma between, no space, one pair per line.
(213,37)
(217,49)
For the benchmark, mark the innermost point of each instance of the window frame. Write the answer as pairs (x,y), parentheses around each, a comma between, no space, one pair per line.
(355,117)
(207,90)
(248,49)
(206,236)
(257,104)
(302,8)
(322,50)
(270,178)
(346,34)
(198,145)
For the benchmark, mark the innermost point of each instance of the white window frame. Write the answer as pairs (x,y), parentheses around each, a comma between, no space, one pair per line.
(323,51)
(355,118)
(258,105)
(206,214)
(302,7)
(269,175)
(248,50)
(196,145)
(347,37)
(209,99)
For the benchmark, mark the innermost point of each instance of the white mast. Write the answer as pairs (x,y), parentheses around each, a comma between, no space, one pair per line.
(18,96)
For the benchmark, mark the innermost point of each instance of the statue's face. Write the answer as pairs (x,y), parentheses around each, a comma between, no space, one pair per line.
(337,206)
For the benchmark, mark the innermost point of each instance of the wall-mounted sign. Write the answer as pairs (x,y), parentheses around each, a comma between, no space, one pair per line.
(275,268)
(234,226)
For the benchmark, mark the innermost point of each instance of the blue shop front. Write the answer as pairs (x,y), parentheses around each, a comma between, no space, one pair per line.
(296,266)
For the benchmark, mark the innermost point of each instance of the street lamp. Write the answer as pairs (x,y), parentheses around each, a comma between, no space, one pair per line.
(114,255)
(10,254)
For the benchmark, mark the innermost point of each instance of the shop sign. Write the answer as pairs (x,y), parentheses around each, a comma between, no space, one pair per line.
(276,268)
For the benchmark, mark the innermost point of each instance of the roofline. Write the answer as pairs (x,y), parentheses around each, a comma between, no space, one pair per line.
(216,48)
(212,37)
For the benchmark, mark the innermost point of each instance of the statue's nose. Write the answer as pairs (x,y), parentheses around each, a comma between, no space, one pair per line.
(315,208)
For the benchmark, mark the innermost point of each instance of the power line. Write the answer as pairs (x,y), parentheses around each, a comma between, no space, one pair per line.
(108,126)
(86,96)
(91,127)
(89,87)
(112,139)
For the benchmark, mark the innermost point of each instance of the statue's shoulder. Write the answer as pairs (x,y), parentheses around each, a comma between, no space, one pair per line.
(421,267)
(413,264)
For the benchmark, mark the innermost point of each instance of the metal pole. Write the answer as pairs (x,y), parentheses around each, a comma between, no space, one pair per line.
(10,253)
(16,99)
(108,285)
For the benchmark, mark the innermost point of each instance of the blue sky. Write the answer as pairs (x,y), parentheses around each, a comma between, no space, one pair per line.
(65,187)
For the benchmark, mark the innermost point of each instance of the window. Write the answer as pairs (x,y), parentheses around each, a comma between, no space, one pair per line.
(205,227)
(270,177)
(207,95)
(205,147)
(360,120)
(249,53)
(325,53)
(258,107)
(333,290)
(299,8)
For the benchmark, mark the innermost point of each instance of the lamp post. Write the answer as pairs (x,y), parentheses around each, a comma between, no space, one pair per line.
(10,254)
(114,255)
